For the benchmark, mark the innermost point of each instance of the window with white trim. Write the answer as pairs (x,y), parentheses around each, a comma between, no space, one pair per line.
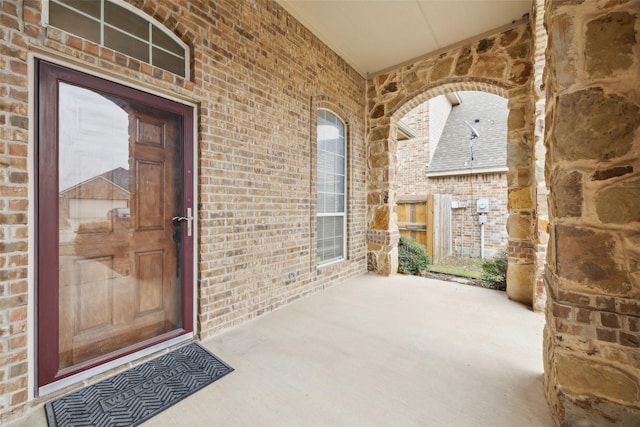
(119,26)
(332,186)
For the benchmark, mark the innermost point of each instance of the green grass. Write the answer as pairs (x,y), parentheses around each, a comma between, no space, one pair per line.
(456,270)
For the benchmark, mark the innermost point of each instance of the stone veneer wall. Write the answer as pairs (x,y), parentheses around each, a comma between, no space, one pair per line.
(592,336)
(258,78)
(542,189)
(501,64)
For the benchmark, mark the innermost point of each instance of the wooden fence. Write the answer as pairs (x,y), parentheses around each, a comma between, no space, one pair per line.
(427,220)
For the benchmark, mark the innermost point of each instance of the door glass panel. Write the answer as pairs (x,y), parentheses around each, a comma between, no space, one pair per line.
(119,177)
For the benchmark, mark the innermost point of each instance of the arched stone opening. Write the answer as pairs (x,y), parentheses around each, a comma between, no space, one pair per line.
(441,161)
(502,65)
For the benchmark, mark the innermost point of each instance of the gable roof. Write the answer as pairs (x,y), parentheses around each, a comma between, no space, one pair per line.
(118,176)
(487,113)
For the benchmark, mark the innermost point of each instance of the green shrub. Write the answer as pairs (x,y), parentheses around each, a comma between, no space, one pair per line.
(495,270)
(412,257)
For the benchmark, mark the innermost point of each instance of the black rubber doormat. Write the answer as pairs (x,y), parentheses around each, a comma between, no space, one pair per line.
(139,393)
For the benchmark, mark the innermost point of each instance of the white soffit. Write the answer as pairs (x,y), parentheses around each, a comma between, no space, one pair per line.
(374,35)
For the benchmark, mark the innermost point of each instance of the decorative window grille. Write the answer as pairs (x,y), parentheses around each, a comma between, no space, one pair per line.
(332,185)
(121,27)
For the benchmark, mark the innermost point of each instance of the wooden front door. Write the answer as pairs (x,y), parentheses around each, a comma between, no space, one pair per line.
(114,225)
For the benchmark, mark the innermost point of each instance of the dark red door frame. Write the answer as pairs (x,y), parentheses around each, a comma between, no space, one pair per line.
(48,76)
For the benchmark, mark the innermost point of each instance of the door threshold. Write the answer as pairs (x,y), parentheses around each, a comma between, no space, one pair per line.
(74,379)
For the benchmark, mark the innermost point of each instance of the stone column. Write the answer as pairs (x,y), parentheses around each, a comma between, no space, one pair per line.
(540,152)
(382,232)
(521,225)
(592,336)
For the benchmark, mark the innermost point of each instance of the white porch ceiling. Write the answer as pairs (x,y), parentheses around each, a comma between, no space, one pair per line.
(375,35)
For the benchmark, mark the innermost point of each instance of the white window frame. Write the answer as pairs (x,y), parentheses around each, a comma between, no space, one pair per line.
(152,24)
(343,214)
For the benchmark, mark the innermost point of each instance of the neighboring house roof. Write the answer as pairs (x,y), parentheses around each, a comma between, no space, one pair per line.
(487,114)
(118,176)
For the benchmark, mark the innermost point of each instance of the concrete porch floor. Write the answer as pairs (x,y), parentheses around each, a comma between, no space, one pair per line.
(376,351)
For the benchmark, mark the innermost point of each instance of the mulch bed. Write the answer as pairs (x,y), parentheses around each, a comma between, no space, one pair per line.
(464,280)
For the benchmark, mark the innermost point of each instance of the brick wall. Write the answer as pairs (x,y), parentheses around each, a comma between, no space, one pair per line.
(258,76)
(418,120)
(413,153)
(465,221)
(413,156)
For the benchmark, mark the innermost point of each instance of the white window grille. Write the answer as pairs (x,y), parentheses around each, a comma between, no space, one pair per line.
(332,186)
(123,28)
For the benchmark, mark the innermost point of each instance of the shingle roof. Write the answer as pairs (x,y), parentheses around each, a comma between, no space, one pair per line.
(119,176)
(487,113)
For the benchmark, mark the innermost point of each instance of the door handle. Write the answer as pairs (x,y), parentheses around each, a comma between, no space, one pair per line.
(188,218)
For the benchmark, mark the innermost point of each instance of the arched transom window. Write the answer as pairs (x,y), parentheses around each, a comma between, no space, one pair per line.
(119,26)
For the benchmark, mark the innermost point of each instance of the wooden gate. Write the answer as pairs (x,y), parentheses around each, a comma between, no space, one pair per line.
(427,220)
(412,219)
(441,224)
